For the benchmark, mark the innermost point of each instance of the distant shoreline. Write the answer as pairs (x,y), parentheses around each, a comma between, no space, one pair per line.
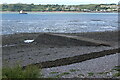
(57,12)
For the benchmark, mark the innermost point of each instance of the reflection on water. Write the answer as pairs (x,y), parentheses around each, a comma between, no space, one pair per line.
(58,22)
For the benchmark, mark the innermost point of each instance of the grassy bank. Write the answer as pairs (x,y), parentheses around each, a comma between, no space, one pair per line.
(19,72)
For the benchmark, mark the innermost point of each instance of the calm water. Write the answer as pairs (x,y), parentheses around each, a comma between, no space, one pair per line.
(58,22)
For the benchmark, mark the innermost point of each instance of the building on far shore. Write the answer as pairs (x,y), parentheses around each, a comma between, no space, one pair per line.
(109,6)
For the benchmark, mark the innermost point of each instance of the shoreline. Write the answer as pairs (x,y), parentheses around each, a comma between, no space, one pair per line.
(57,12)
(18,38)
(56,56)
(57,32)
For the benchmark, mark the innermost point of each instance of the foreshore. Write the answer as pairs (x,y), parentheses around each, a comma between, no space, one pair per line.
(19,38)
(42,51)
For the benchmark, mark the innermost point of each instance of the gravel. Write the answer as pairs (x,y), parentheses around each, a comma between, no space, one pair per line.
(95,68)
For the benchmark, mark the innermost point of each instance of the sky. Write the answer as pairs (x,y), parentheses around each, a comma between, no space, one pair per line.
(65,2)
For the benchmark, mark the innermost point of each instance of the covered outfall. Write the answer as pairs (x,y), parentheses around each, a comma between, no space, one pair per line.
(66,40)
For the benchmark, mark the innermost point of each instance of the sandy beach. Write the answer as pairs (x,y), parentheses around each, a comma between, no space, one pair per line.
(58,49)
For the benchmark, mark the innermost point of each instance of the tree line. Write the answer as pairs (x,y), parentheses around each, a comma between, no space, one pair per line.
(49,7)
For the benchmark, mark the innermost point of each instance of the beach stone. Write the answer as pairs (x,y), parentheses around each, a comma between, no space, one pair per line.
(99,68)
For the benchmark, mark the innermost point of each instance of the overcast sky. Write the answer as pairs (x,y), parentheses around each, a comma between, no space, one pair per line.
(66,2)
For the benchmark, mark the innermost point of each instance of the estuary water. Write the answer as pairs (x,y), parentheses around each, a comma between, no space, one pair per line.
(58,22)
